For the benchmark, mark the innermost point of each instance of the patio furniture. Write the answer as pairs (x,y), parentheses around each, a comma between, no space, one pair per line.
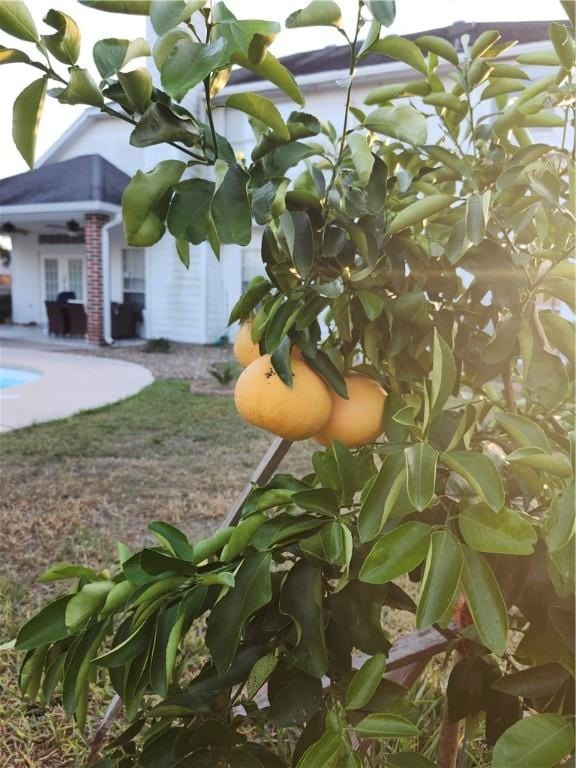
(77,322)
(57,325)
(124,319)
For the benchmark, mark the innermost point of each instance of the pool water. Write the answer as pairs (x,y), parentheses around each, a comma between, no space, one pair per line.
(12,377)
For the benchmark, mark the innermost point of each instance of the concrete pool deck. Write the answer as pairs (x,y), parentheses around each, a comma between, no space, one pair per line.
(69,384)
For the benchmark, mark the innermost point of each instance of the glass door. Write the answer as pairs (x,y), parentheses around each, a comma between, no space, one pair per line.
(64,273)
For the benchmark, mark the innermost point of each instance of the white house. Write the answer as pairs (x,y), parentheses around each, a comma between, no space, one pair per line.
(64,218)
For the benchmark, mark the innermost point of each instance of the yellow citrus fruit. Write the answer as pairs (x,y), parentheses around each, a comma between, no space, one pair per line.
(356,421)
(295,413)
(245,351)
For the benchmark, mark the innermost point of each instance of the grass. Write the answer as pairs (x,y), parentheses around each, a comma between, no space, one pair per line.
(72,488)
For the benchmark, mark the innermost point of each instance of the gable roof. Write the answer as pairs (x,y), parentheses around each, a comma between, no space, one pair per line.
(81,179)
(336,57)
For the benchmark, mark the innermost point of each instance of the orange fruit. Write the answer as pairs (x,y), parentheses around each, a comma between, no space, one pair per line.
(356,421)
(295,413)
(245,350)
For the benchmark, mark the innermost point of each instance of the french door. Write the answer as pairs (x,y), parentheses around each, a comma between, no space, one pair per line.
(63,273)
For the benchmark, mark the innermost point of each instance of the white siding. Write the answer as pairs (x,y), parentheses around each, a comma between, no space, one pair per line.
(174,295)
(106,136)
(26,280)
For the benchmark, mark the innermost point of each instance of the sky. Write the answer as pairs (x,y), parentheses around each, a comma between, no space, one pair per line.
(412,16)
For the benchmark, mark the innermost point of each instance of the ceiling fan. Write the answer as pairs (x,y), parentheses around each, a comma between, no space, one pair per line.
(11,229)
(72,228)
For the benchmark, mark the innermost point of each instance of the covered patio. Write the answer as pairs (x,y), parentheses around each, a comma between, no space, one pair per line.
(71,271)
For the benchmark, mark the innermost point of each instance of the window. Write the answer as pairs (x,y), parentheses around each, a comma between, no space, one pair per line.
(133,270)
(76,278)
(51,279)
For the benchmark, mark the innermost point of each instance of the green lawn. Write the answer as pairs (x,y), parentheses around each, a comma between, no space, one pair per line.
(71,489)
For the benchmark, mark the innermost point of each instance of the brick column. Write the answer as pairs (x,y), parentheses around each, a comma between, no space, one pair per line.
(93,223)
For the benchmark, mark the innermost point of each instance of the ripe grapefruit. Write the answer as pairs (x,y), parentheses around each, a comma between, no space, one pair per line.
(356,421)
(245,350)
(295,413)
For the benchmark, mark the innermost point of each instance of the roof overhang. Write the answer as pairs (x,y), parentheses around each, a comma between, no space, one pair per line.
(49,211)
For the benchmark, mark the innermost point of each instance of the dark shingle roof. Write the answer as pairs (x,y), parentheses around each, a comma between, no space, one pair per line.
(336,57)
(88,177)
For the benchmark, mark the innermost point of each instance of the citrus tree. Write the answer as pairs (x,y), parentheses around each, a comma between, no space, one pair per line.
(440,273)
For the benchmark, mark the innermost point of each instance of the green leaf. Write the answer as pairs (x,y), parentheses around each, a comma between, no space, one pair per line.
(81,89)
(173,539)
(127,649)
(439,46)
(539,741)
(544,680)
(421,462)
(477,207)
(145,202)
(372,304)
(332,544)
(159,124)
(15,19)
(362,158)
(443,374)
(441,578)
(417,212)
(384,11)
(262,109)
(65,43)
(87,602)
(480,473)
(26,116)
(330,751)
(396,553)
(135,7)
(13,56)
(405,50)
(523,431)
(371,37)
(505,532)
(402,123)
(563,43)
(166,14)
(191,195)
(483,43)
(318,13)
(556,464)
(560,522)
(226,621)
(485,601)
(365,682)
(385,726)
(259,673)
(67,571)
(231,209)
(295,697)
(47,626)
(302,250)
(301,599)
(257,288)
(502,344)
(137,85)
(383,496)
(189,63)
(271,69)
(446,101)
(111,53)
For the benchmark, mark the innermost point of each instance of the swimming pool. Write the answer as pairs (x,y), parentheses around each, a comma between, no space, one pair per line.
(12,377)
